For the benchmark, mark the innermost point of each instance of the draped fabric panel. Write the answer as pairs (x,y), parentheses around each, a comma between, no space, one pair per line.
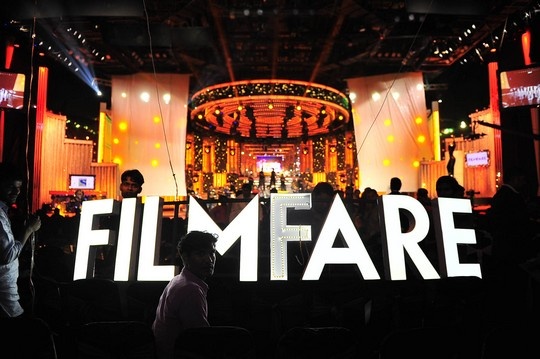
(391,129)
(149,114)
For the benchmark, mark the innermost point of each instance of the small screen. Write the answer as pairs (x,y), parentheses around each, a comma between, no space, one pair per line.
(82,182)
(474,159)
(520,87)
(269,163)
(12,90)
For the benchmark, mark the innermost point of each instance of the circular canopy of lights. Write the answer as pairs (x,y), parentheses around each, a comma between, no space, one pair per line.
(259,109)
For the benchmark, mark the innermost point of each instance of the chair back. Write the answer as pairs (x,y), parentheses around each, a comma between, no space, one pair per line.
(27,337)
(91,300)
(423,343)
(315,343)
(215,342)
(117,339)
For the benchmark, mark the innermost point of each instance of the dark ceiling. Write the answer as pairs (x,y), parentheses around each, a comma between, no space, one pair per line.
(310,40)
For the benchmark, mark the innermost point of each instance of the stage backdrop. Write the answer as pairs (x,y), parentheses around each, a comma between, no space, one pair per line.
(391,130)
(149,119)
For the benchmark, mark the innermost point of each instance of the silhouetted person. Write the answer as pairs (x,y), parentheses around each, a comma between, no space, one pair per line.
(183,303)
(237,207)
(11,244)
(422,196)
(515,244)
(510,222)
(395,185)
(395,188)
(282,185)
(451,160)
(448,186)
(220,212)
(273,178)
(261,179)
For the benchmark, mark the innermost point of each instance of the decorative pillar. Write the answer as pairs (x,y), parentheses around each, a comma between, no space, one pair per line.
(526,47)
(41,108)
(436,130)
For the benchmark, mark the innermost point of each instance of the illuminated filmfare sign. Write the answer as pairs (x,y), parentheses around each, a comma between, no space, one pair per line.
(136,256)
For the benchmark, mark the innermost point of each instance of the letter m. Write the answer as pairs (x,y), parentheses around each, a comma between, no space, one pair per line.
(244,225)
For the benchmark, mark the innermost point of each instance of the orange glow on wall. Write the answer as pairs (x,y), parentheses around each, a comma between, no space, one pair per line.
(10,48)
(402,117)
(526,46)
(152,133)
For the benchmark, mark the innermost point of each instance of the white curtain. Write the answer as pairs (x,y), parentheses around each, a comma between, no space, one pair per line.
(149,119)
(391,130)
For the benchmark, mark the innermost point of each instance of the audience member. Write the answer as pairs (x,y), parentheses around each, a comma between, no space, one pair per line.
(510,222)
(448,186)
(395,188)
(131,183)
(220,212)
(368,219)
(514,249)
(395,185)
(183,303)
(422,195)
(237,207)
(11,244)
(350,203)
(367,223)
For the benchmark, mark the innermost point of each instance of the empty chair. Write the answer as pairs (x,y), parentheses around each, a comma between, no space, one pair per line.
(142,299)
(313,343)
(423,343)
(511,341)
(90,300)
(24,337)
(120,339)
(217,342)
